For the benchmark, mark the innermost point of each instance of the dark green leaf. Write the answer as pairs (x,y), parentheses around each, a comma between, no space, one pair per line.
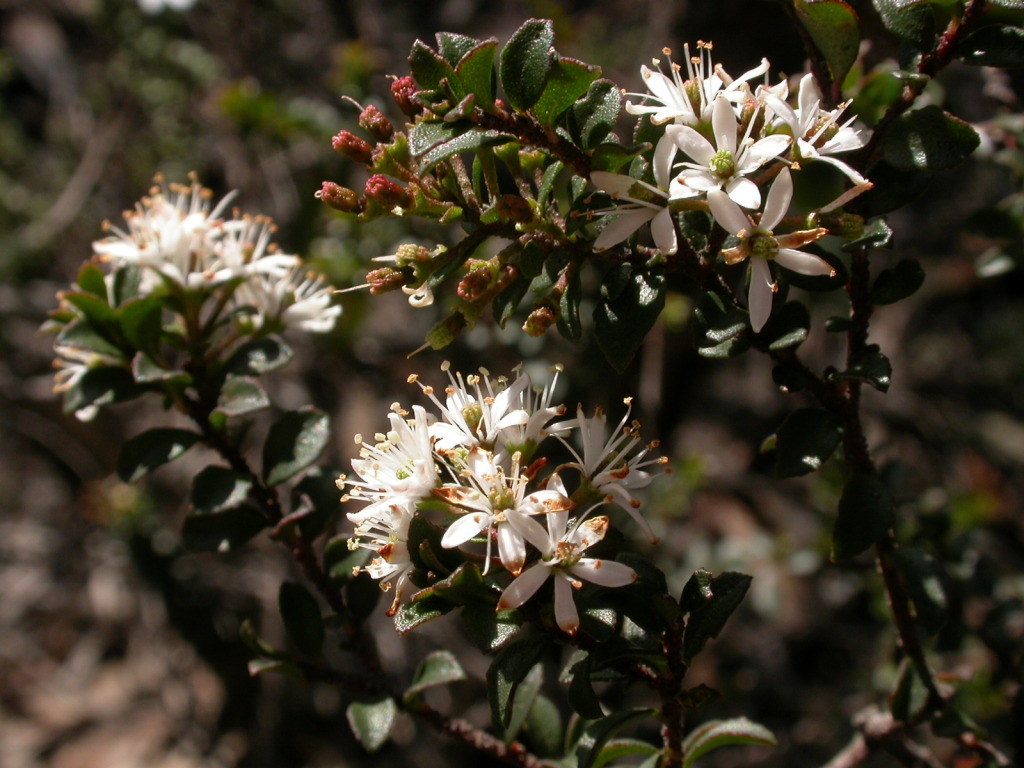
(411,615)
(598,734)
(426,135)
(522,701)
(463,587)
(144,453)
(439,668)
(525,63)
(788,326)
(569,305)
(869,366)
(547,182)
(469,141)
(141,323)
(508,300)
(362,594)
(303,621)
(910,696)
(429,69)
(126,284)
(617,749)
(582,698)
(145,370)
(910,20)
(510,667)
(259,356)
(371,722)
(897,282)
(319,487)
(865,514)
(893,188)
(594,116)
(91,280)
(724,733)
(453,47)
(707,620)
(340,562)
(425,547)
(834,28)
(876,235)
(293,443)
(101,386)
(926,582)
(928,139)
(719,328)
(622,321)
(278,666)
(806,439)
(216,489)
(241,395)
(994,46)
(568,80)
(476,70)
(696,591)
(81,334)
(101,317)
(488,629)
(544,727)
(223,531)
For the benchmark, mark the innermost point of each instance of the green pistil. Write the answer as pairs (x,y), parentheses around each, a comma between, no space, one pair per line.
(722,164)
(473,414)
(501,498)
(762,245)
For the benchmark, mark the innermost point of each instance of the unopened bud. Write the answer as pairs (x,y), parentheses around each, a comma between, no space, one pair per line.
(539,321)
(410,253)
(384,280)
(404,91)
(475,284)
(445,332)
(848,226)
(751,111)
(373,121)
(340,198)
(387,193)
(514,208)
(352,147)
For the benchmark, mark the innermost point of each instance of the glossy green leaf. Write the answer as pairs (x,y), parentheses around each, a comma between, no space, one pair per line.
(126,284)
(223,531)
(928,139)
(927,584)
(371,722)
(569,306)
(716,734)
(598,734)
(568,80)
(522,701)
(413,614)
(897,282)
(582,697)
(143,453)
(619,749)
(141,323)
(216,489)
(870,367)
(805,441)
(469,141)
(428,134)
(994,46)
(241,395)
(340,562)
(259,356)
(708,619)
(489,629)
(510,667)
(439,668)
(834,28)
(453,47)
(865,514)
(302,618)
(788,326)
(96,310)
(594,116)
(82,334)
(476,70)
(101,386)
(145,370)
(877,234)
(525,62)
(719,327)
(627,312)
(431,71)
(910,20)
(294,442)
(696,591)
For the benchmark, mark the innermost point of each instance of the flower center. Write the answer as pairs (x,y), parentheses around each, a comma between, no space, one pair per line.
(722,164)
(762,244)
(566,554)
(501,498)
(473,414)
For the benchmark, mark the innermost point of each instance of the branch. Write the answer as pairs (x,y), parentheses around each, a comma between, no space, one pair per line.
(514,753)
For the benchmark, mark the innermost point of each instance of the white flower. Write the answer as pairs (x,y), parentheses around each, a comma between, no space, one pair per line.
(611,464)
(494,500)
(388,536)
(688,102)
(760,244)
(561,558)
(726,164)
(298,299)
(522,437)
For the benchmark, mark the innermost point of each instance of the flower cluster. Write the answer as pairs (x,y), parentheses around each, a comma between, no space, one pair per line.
(724,140)
(476,459)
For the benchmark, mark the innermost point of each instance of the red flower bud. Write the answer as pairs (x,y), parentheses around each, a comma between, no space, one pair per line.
(373,121)
(352,147)
(384,279)
(542,318)
(404,91)
(340,198)
(387,193)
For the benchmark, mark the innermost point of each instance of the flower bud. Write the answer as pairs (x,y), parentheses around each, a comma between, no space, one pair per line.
(404,91)
(373,121)
(538,322)
(384,280)
(340,198)
(514,208)
(848,226)
(387,193)
(351,146)
(475,284)
(411,253)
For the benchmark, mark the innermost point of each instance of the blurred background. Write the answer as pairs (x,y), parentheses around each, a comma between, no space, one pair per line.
(119,649)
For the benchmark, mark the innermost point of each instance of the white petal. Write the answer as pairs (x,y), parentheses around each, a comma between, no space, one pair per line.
(566,616)
(663,229)
(529,529)
(613,183)
(743,192)
(759,297)
(779,198)
(808,99)
(692,143)
(663,89)
(782,109)
(724,125)
(464,529)
(678,189)
(511,549)
(699,179)
(664,154)
(804,263)
(849,172)
(524,587)
(727,213)
(622,226)
(604,573)
(761,151)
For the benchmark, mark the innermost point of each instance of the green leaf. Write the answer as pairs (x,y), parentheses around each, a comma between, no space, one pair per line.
(141,323)
(259,356)
(598,734)
(82,334)
(910,695)
(893,188)
(510,667)
(470,141)
(216,489)
(869,366)
(145,370)
(371,721)
(91,280)
(994,46)
(279,666)
(595,114)
(544,727)
(806,439)
(716,734)
(303,621)
(708,619)
(547,183)
(875,235)
(522,701)
(625,315)
(582,698)
(696,591)
(568,80)
(463,586)
(525,63)
(569,305)
(898,282)
(320,489)
(294,442)
(489,629)
(154,448)
(788,327)
(439,668)
(101,317)
(476,70)
(430,70)
(223,531)
(101,386)
(413,614)
(928,139)
(617,749)
(834,28)
(927,584)
(362,594)
(240,395)
(910,20)
(453,47)
(865,514)
(126,284)
(340,561)
(719,328)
